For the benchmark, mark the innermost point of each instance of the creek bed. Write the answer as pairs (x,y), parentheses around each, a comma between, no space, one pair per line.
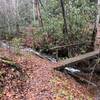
(86,77)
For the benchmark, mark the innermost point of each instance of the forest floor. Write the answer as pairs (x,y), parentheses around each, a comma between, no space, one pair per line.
(39,82)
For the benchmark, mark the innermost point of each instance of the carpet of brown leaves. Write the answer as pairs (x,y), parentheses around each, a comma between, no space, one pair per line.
(39,81)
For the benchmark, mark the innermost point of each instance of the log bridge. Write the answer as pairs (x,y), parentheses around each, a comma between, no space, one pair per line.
(79,58)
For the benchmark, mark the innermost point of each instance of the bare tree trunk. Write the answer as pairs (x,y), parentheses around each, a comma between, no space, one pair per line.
(38,12)
(65,30)
(34,12)
(96,33)
(7,16)
(94,37)
(17,18)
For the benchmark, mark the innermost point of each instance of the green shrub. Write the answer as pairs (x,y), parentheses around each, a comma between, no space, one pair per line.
(80,15)
(16,43)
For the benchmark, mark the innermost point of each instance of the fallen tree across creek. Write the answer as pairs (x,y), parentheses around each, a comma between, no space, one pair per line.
(78,58)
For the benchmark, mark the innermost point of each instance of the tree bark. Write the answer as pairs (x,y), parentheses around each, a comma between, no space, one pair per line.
(93,37)
(38,12)
(65,30)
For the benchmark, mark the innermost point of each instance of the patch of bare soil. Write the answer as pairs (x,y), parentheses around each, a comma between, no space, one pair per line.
(39,81)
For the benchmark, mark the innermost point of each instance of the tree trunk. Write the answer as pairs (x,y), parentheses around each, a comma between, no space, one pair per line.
(93,37)
(65,30)
(38,12)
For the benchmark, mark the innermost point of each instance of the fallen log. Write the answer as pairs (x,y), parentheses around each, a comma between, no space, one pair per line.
(71,45)
(43,56)
(10,63)
(79,58)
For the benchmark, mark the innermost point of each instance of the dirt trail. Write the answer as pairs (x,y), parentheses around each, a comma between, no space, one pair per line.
(42,83)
